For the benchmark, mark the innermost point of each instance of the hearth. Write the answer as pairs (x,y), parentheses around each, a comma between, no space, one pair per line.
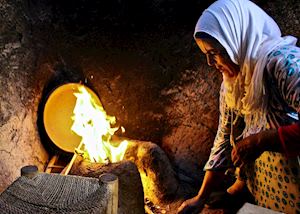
(76,122)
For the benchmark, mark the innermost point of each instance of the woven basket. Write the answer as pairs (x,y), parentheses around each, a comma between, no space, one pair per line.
(53,193)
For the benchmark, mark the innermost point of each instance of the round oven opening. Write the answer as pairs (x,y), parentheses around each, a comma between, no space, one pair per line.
(57,115)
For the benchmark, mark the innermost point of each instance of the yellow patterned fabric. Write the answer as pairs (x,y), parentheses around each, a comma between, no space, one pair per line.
(274,181)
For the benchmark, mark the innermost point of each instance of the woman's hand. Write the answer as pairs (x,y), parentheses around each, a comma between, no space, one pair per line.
(191,206)
(251,147)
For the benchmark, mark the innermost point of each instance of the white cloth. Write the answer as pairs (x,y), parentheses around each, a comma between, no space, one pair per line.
(248,34)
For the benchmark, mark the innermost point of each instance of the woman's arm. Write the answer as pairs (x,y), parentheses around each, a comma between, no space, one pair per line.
(220,155)
(216,165)
(290,139)
(196,204)
(251,147)
(285,140)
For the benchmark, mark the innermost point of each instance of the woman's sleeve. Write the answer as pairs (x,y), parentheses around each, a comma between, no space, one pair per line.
(220,155)
(290,139)
(286,70)
(287,74)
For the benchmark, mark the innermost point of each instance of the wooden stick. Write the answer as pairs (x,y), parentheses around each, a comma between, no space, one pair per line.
(56,166)
(112,183)
(51,163)
(69,166)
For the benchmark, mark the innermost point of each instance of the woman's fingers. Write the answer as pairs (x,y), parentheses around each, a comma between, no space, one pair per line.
(237,162)
(237,158)
(246,150)
(191,206)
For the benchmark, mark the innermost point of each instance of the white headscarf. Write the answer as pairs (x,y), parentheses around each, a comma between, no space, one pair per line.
(248,34)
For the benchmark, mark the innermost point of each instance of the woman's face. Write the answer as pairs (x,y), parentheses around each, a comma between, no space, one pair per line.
(217,56)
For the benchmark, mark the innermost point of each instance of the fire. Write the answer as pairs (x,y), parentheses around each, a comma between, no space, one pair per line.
(94,126)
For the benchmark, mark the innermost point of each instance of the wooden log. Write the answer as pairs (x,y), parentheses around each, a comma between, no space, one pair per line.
(51,163)
(66,170)
(112,183)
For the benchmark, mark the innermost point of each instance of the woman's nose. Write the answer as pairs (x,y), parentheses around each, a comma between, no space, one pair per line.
(210,61)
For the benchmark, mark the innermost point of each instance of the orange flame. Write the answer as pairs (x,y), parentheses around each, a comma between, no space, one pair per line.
(94,126)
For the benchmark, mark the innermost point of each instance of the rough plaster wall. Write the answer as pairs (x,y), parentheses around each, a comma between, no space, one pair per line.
(19,139)
(286,14)
(193,114)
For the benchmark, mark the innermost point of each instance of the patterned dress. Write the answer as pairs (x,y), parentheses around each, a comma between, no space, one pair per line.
(274,179)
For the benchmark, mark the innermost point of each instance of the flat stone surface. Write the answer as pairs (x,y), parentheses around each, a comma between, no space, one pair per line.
(248,208)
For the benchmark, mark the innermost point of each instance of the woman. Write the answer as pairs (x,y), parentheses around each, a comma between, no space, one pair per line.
(259,129)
